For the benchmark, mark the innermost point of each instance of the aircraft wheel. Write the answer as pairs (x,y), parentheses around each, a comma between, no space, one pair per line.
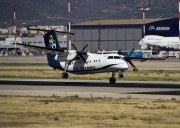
(112,80)
(120,75)
(64,75)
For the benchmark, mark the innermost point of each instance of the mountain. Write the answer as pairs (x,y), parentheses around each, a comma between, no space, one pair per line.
(54,12)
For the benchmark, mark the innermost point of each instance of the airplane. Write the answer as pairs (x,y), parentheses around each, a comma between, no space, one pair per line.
(155,42)
(80,62)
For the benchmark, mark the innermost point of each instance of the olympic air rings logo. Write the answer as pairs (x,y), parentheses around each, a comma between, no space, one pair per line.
(152,28)
(52,42)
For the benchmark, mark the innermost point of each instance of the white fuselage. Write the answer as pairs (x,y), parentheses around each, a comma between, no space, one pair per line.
(96,63)
(159,41)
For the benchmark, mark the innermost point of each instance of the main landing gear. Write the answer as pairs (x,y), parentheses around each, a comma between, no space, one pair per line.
(120,75)
(113,79)
(65,75)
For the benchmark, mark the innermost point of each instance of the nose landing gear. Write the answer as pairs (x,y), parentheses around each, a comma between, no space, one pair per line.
(112,79)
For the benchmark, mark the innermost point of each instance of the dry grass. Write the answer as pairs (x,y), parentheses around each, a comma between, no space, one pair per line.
(75,112)
(22,64)
(149,75)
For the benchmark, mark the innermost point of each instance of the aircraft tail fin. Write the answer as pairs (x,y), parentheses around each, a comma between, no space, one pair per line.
(51,42)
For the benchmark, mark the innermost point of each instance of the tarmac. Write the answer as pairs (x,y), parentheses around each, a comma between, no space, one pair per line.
(90,88)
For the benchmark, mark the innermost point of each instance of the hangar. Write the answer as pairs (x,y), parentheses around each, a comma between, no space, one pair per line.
(167,27)
(124,36)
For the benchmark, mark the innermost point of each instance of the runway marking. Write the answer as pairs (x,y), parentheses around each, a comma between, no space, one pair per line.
(21,91)
(84,94)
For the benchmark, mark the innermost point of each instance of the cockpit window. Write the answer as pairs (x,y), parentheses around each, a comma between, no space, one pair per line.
(110,57)
(116,57)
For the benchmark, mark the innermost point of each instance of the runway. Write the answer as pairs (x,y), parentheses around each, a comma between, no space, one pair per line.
(90,88)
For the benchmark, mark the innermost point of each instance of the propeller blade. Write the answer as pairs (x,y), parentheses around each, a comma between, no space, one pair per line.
(121,53)
(74,47)
(84,47)
(131,63)
(131,52)
(82,57)
(127,57)
(79,52)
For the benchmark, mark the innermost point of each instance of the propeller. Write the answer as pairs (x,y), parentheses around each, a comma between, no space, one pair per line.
(79,53)
(127,57)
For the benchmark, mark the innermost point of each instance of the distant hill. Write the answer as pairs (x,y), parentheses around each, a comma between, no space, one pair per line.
(54,12)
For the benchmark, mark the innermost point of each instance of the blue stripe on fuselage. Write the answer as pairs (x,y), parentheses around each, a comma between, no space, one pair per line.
(92,70)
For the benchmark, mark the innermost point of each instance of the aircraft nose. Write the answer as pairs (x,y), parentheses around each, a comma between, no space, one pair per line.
(125,65)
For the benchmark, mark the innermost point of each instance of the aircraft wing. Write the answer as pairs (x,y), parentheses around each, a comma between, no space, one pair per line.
(47,50)
(145,59)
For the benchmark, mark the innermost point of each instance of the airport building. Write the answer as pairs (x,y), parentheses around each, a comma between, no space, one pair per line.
(167,28)
(111,36)
(120,36)
(6,46)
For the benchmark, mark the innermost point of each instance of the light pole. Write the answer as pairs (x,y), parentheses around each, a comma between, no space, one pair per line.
(15,28)
(143,10)
(69,20)
(179,28)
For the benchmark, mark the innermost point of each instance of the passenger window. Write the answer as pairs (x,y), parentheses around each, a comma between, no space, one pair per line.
(110,57)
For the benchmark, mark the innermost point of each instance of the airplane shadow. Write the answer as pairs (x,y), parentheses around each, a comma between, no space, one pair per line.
(99,84)
(88,84)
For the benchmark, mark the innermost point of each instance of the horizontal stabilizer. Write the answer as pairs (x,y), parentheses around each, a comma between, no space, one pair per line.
(63,32)
(47,50)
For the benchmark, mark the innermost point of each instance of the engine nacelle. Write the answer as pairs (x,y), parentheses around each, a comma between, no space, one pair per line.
(78,57)
(66,56)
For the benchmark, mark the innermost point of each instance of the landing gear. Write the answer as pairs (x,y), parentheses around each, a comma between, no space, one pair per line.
(112,79)
(65,75)
(151,47)
(120,75)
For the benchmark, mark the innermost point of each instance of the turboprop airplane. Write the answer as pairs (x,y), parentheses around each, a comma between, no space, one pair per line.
(151,42)
(79,62)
